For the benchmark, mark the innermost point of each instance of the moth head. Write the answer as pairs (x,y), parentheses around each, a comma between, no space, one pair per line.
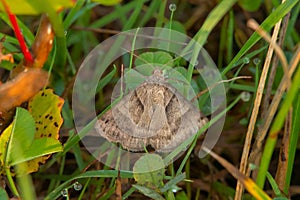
(158,72)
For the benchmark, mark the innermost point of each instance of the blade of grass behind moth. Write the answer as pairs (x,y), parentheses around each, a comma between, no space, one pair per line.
(254,114)
(272,110)
(281,171)
(267,24)
(293,143)
(274,65)
(276,126)
(247,182)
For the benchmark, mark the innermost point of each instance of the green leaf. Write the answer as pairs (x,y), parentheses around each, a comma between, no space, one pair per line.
(108,2)
(154,59)
(3,194)
(181,196)
(18,136)
(7,65)
(148,192)
(149,170)
(45,108)
(40,147)
(250,5)
(22,7)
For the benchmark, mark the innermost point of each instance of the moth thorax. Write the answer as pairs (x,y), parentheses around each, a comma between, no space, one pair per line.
(158,96)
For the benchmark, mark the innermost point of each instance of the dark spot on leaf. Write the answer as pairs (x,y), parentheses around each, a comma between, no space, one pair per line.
(51,117)
(36,128)
(47,116)
(55,124)
(45,127)
(43,93)
(50,134)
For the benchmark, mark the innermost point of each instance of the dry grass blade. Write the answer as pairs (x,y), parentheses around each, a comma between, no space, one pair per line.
(272,110)
(247,182)
(254,114)
(283,155)
(274,66)
(253,24)
(118,187)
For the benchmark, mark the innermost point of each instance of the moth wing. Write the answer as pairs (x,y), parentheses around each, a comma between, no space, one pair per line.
(108,129)
(159,119)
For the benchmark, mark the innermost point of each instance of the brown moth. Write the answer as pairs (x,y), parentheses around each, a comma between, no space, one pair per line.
(153,114)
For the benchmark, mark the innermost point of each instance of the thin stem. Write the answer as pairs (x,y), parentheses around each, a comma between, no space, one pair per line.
(11,182)
(27,55)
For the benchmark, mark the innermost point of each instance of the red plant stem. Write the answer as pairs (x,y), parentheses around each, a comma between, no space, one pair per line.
(27,55)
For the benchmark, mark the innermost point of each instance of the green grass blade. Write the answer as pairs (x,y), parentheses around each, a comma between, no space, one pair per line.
(153,7)
(267,24)
(213,18)
(99,174)
(293,142)
(277,125)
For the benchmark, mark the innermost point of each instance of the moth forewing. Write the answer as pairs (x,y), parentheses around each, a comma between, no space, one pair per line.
(152,114)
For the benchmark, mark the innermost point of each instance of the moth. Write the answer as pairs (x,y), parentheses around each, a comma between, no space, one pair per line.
(154,115)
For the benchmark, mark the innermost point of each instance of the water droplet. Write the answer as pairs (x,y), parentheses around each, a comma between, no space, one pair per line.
(246,60)
(252,166)
(256,61)
(65,32)
(175,188)
(64,193)
(77,186)
(245,96)
(172,7)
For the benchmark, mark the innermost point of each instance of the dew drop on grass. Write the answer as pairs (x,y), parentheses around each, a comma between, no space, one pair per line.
(64,193)
(245,96)
(77,186)
(256,61)
(175,188)
(172,7)
(246,60)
